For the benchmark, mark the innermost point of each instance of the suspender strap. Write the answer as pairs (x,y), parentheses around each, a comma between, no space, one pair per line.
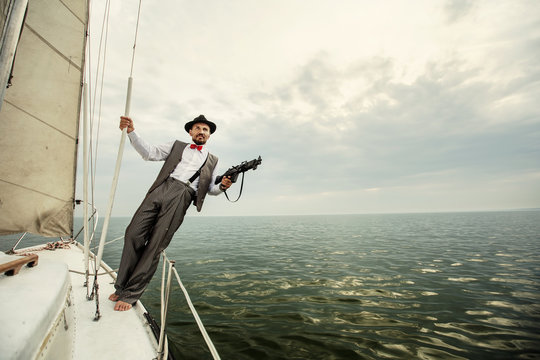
(197,173)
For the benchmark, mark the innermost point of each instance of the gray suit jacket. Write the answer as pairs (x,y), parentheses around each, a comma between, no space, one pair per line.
(205,179)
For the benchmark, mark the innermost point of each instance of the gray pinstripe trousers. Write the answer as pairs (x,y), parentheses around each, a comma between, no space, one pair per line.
(149,233)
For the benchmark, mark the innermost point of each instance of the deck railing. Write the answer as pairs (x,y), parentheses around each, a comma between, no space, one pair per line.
(166,279)
(166,286)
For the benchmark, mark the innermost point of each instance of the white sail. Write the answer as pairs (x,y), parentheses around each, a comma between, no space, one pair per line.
(39,120)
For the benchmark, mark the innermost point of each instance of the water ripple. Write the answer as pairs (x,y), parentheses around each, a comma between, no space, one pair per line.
(430,286)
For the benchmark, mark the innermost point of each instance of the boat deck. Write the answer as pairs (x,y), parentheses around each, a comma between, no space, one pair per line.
(117,335)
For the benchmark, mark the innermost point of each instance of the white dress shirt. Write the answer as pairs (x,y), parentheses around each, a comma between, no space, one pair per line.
(192,160)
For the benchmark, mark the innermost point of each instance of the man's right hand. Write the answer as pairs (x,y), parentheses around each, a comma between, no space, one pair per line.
(126,121)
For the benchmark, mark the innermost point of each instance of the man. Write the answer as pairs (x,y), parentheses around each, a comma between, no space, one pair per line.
(188,174)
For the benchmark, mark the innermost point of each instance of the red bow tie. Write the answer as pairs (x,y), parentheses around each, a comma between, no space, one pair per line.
(198,147)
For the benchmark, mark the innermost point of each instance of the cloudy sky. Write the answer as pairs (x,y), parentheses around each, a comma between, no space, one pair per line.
(354,106)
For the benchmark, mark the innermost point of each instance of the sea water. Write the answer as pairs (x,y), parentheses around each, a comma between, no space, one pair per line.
(409,286)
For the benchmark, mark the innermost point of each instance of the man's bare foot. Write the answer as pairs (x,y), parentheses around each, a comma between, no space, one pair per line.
(113,297)
(122,306)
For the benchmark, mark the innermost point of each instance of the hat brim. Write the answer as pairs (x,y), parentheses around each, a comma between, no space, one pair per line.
(210,124)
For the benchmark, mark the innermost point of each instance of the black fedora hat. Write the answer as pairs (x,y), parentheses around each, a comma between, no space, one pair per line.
(200,119)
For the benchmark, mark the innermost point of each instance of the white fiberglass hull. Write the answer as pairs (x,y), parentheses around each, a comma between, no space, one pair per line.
(45,314)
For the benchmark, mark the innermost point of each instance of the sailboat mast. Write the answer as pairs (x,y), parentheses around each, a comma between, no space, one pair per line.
(9,41)
(85,180)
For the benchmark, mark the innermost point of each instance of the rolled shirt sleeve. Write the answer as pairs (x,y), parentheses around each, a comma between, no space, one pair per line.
(214,188)
(148,151)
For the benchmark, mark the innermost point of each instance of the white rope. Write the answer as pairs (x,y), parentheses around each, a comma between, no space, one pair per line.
(165,260)
(109,242)
(98,274)
(205,335)
(60,244)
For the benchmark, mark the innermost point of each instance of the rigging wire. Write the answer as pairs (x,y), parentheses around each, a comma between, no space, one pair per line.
(104,229)
(95,100)
(102,55)
(100,76)
(135,40)
(100,70)
(87,81)
(120,148)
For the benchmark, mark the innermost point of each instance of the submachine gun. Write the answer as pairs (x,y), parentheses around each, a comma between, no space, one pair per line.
(234,171)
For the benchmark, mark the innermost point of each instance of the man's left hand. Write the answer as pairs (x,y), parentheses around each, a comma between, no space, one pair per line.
(225,183)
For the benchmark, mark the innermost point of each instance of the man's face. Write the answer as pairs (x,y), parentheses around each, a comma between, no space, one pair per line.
(200,133)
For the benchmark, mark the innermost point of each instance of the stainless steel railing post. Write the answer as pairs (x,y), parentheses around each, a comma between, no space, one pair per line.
(164,308)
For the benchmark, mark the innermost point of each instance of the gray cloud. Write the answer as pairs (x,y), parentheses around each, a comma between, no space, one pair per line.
(441,122)
(360,133)
(454,10)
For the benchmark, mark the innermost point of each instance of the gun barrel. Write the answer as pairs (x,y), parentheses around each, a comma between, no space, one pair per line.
(234,171)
